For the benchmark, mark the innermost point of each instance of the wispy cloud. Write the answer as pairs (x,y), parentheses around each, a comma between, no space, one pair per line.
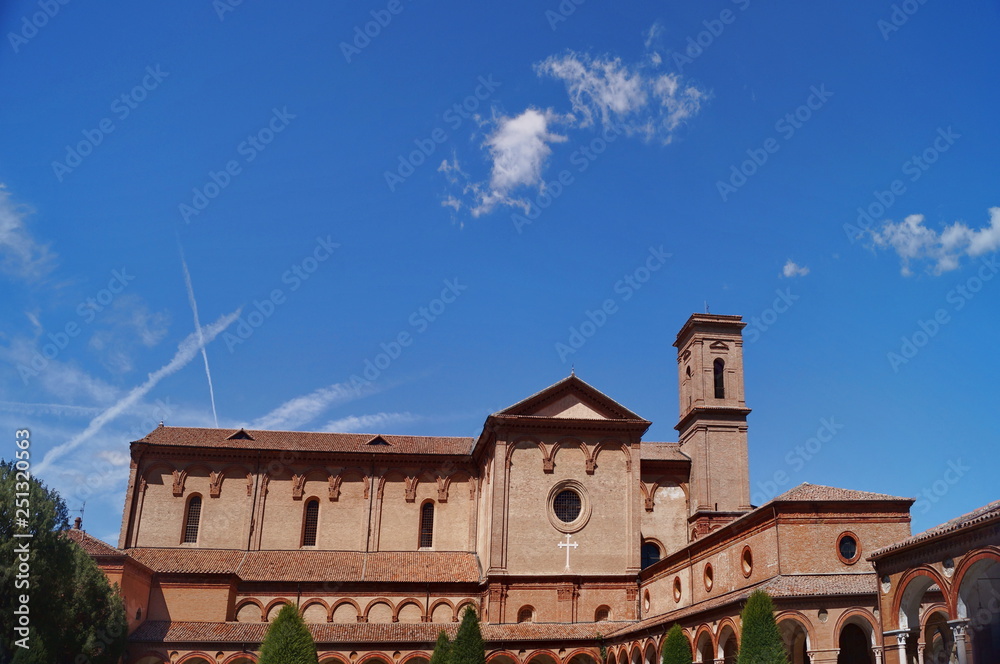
(302,409)
(186,351)
(20,254)
(368,423)
(635,99)
(793,269)
(604,92)
(56,409)
(197,327)
(913,241)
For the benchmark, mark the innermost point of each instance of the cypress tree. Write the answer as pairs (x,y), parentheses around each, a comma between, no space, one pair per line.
(676,648)
(761,642)
(288,640)
(442,649)
(468,647)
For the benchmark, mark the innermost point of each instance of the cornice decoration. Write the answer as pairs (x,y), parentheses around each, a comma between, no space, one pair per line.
(565,593)
(298,486)
(249,485)
(473,485)
(411,488)
(214,484)
(179,477)
(335,481)
(631,594)
(142,485)
(443,484)
(649,494)
(368,483)
(264,481)
(380,490)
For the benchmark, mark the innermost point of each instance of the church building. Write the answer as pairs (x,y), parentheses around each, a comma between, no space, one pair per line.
(575,540)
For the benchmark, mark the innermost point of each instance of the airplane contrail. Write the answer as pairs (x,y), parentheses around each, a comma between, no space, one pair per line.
(197,325)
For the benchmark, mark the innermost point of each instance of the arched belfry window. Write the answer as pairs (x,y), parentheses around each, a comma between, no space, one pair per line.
(650,554)
(427,526)
(311,523)
(719,369)
(192,519)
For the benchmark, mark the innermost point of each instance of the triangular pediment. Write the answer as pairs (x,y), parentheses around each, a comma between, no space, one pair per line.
(570,398)
(240,435)
(377,440)
(719,345)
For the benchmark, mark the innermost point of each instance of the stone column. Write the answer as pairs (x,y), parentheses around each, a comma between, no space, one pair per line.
(877,650)
(959,629)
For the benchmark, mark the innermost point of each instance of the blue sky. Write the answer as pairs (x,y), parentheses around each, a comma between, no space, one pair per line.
(476,182)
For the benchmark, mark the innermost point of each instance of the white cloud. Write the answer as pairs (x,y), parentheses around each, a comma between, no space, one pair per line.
(623,97)
(913,241)
(296,412)
(186,351)
(20,254)
(368,423)
(793,269)
(653,35)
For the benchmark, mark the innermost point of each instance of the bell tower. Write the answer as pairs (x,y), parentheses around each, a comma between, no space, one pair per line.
(713,419)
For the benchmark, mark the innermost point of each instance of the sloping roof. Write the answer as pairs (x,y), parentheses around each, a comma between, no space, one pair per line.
(782,586)
(984,514)
(806,492)
(330,633)
(91,544)
(570,385)
(662,452)
(333,566)
(307,441)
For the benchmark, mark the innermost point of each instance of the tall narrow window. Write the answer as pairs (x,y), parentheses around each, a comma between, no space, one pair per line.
(720,378)
(311,521)
(192,520)
(427,526)
(650,554)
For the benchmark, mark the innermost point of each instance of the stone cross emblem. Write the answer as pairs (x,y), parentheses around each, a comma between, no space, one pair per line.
(566,545)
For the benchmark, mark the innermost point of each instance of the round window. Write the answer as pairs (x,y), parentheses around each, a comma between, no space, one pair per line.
(677,588)
(709,576)
(567,505)
(848,549)
(746,561)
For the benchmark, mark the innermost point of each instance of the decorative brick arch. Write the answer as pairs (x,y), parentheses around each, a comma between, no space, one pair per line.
(415,655)
(954,594)
(375,655)
(724,624)
(547,464)
(613,444)
(315,600)
(704,631)
(341,602)
(195,655)
(251,602)
(236,656)
(572,441)
(589,652)
(330,657)
(496,654)
(402,604)
(538,653)
(860,617)
(461,607)
(379,600)
(649,652)
(447,603)
(159,655)
(919,578)
(272,604)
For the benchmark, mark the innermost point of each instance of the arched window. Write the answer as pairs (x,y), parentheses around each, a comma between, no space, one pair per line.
(310,523)
(603,613)
(192,520)
(526,614)
(719,368)
(427,526)
(650,554)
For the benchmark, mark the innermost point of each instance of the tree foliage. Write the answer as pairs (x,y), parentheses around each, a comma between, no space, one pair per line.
(72,609)
(468,647)
(288,640)
(676,647)
(761,641)
(442,649)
